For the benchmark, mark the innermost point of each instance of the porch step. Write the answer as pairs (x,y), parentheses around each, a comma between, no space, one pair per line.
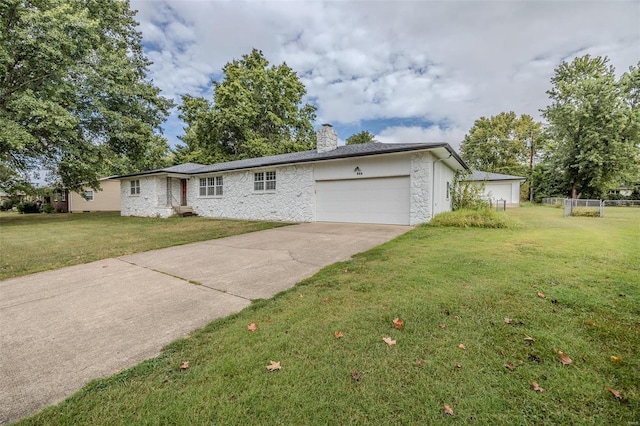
(185,211)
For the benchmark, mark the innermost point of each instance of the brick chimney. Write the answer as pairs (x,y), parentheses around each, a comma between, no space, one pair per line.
(327,138)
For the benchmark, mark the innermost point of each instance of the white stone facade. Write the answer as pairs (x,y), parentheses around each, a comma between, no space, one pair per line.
(151,200)
(292,200)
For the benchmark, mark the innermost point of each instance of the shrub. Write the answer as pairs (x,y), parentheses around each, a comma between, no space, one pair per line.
(28,207)
(47,208)
(482,218)
(585,213)
(466,194)
(7,204)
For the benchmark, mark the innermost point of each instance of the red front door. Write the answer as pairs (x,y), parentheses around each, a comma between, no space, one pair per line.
(183,192)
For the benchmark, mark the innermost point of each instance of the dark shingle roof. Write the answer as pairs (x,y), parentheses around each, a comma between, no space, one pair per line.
(478,175)
(346,151)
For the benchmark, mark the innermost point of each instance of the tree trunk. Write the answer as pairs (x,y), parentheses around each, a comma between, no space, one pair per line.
(574,191)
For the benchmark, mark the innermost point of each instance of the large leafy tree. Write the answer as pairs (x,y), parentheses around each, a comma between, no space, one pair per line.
(257,110)
(73,90)
(594,122)
(364,136)
(498,144)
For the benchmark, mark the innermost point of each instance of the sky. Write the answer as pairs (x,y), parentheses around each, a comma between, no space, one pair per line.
(407,71)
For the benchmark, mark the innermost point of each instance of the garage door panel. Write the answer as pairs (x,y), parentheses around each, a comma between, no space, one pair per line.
(499,191)
(377,200)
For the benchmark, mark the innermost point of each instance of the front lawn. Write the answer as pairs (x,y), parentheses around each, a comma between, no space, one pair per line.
(38,242)
(486,313)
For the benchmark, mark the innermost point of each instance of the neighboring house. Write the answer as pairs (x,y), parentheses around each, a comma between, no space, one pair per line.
(403,184)
(59,199)
(106,199)
(499,186)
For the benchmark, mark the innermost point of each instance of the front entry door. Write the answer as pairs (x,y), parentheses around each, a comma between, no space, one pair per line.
(183,192)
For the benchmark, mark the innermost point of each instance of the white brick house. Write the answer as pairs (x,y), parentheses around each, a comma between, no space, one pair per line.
(402,184)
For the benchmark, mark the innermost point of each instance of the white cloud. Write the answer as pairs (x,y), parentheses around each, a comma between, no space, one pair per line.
(437,61)
(435,133)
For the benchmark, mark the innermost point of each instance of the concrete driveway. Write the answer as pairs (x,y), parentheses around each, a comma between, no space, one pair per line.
(63,328)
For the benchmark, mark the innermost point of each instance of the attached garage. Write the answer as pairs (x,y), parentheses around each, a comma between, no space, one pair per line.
(373,200)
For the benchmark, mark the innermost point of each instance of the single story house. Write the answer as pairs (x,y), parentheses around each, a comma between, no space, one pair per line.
(403,184)
(499,187)
(104,200)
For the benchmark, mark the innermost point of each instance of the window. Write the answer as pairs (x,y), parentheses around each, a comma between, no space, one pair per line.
(63,196)
(88,195)
(55,197)
(135,187)
(448,191)
(211,186)
(264,181)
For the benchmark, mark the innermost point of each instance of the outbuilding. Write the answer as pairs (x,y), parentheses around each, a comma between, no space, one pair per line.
(499,187)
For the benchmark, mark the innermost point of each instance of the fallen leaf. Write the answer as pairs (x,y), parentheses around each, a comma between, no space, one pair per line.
(591,324)
(615,393)
(398,323)
(564,358)
(442,325)
(529,339)
(520,362)
(338,334)
(456,317)
(325,299)
(166,379)
(389,341)
(616,359)
(252,327)
(510,366)
(184,365)
(507,320)
(541,295)
(274,366)
(419,362)
(501,353)
(448,410)
(461,346)
(355,376)
(536,387)
(458,365)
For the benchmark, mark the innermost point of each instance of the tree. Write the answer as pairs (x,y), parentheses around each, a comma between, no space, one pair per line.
(364,136)
(594,122)
(73,89)
(257,110)
(499,144)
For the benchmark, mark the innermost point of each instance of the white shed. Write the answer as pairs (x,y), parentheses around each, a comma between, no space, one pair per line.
(499,186)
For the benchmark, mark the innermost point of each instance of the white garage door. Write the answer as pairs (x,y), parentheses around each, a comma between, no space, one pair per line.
(379,200)
(499,191)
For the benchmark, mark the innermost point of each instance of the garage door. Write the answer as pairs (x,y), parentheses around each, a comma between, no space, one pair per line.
(499,191)
(379,200)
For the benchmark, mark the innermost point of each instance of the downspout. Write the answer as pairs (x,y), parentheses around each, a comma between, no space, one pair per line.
(433,182)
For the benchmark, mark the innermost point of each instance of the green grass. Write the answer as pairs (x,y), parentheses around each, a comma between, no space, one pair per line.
(485,218)
(38,242)
(468,279)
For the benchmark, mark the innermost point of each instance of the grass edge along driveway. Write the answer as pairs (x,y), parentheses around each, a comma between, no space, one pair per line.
(40,242)
(487,312)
